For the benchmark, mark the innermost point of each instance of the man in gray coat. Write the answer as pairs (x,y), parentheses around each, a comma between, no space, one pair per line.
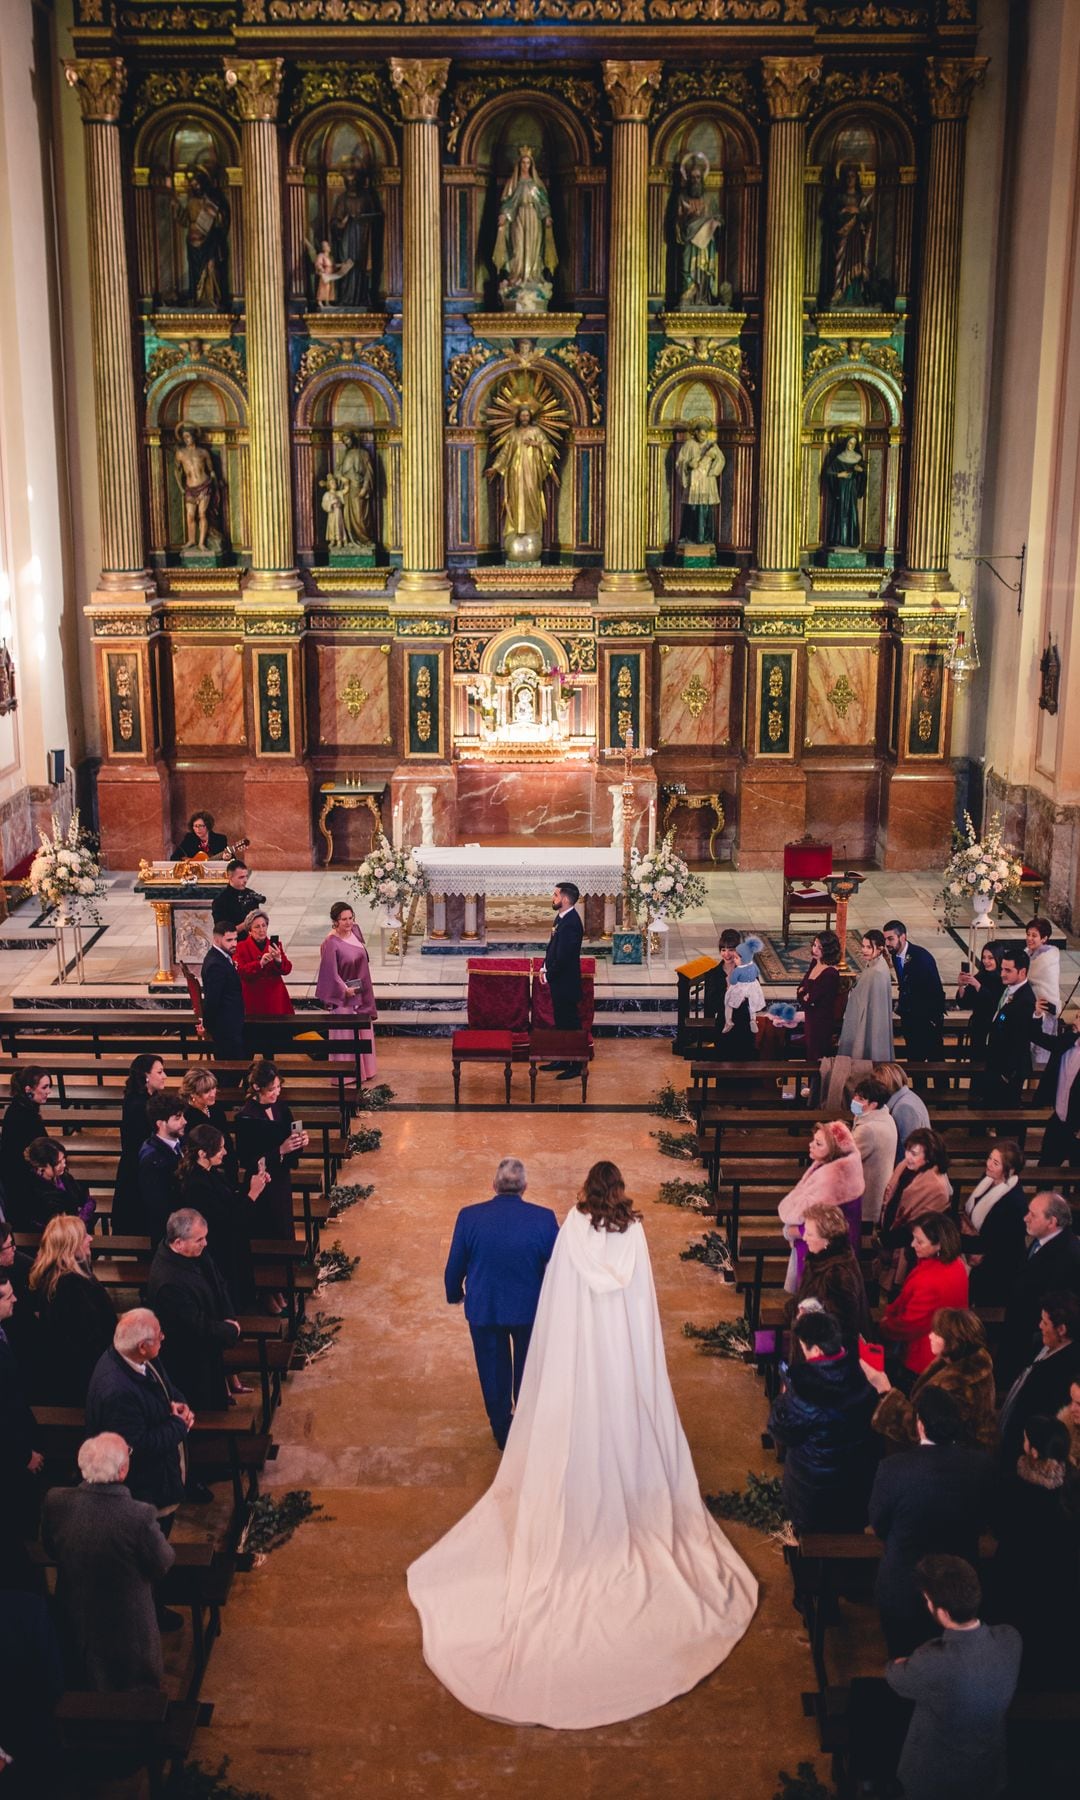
(109,1553)
(962,1684)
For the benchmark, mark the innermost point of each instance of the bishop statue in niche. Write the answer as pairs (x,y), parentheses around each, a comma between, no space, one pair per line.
(843,476)
(699,230)
(525,255)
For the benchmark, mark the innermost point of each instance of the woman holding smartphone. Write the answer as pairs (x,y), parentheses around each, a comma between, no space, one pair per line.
(262,966)
(268,1141)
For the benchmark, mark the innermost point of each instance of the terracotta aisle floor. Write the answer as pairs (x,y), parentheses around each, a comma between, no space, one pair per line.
(318,1681)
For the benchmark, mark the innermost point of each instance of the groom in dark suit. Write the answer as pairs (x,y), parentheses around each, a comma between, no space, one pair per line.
(498,1256)
(562,968)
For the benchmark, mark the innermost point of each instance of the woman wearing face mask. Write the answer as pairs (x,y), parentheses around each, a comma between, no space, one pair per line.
(874,1131)
(917,1187)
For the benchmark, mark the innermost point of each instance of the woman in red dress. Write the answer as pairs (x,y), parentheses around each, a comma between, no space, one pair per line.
(262,967)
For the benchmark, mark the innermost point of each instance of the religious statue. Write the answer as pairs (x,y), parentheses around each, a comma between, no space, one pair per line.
(843,477)
(699,226)
(204,214)
(197,480)
(327,273)
(354,225)
(356,478)
(527,426)
(333,505)
(525,243)
(700,464)
(851,239)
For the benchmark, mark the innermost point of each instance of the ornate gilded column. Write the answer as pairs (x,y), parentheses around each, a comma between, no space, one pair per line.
(630,87)
(789,82)
(423,524)
(257,85)
(951,83)
(99,84)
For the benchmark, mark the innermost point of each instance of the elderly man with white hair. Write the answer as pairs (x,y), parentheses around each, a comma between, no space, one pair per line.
(187,1291)
(131,1394)
(109,1553)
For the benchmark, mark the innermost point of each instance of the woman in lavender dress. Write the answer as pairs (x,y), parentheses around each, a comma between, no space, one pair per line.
(344,983)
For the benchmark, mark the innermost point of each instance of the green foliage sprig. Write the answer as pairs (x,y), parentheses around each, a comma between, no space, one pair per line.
(760,1504)
(193,1782)
(374,1099)
(273,1519)
(728,1337)
(342,1197)
(693,1194)
(670,1104)
(335,1264)
(315,1336)
(711,1250)
(366,1137)
(671,1143)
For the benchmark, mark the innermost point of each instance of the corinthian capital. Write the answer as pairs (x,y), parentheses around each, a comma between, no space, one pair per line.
(951,82)
(789,83)
(256,84)
(99,82)
(630,88)
(419,85)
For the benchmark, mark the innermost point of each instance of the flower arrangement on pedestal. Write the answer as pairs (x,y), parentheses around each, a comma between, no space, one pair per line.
(981,870)
(390,879)
(661,885)
(65,875)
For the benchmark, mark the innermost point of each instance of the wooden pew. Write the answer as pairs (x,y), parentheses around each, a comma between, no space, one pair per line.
(79,1079)
(217,1440)
(106,1735)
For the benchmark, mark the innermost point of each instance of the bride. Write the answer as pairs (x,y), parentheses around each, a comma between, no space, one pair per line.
(590,1583)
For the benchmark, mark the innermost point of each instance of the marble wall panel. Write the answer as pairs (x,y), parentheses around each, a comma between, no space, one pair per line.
(208,694)
(695,694)
(917,819)
(548,803)
(405,784)
(843,800)
(772,813)
(354,694)
(841,694)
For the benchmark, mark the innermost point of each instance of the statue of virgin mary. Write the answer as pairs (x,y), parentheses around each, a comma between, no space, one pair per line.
(525,243)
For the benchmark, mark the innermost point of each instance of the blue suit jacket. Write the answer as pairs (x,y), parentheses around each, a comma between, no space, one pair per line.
(919,985)
(497,1259)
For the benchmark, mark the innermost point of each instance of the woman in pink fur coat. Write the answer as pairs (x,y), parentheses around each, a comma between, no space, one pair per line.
(834,1178)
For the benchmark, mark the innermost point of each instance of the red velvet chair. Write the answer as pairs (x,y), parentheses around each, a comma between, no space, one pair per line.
(482,1046)
(806,866)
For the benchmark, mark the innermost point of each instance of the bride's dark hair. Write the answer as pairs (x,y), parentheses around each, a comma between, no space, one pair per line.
(604,1198)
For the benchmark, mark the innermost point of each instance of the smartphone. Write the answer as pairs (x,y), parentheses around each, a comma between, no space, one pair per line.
(965,967)
(276,941)
(874,1354)
(1049,1009)
(298,1126)
(262,1165)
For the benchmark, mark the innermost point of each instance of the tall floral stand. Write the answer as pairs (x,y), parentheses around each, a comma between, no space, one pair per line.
(981,932)
(62,925)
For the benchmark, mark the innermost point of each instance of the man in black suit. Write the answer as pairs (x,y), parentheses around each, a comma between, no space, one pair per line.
(1052,1264)
(188,1293)
(20,1461)
(1059,1089)
(223,995)
(1042,1387)
(921,1003)
(131,1394)
(159,1163)
(1008,1042)
(562,968)
(933,1500)
(235,900)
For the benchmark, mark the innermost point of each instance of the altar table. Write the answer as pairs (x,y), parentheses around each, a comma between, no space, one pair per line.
(473,871)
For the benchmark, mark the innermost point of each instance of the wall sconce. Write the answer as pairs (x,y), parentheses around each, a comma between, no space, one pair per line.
(1049,678)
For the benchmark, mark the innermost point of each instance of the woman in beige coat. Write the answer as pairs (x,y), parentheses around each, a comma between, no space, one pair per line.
(874,1132)
(918,1185)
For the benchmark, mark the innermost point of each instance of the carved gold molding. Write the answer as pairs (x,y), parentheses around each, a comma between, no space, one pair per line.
(789,83)
(951,82)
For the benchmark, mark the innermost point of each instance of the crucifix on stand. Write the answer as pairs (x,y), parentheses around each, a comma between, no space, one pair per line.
(628,946)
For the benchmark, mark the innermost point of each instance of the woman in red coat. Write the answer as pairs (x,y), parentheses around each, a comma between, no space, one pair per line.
(262,967)
(938,1278)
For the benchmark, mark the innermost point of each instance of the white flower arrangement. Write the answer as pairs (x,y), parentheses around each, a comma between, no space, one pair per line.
(65,875)
(661,882)
(981,870)
(391,877)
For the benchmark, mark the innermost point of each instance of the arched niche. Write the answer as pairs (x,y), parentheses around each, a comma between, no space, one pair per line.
(518,658)
(343,182)
(730,146)
(860,198)
(865,404)
(337,402)
(574,503)
(700,395)
(187,210)
(473,188)
(213,408)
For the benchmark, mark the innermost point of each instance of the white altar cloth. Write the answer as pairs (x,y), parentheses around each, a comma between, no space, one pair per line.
(513,871)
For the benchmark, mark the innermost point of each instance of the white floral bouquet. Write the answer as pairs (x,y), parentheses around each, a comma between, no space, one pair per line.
(65,875)
(981,870)
(661,882)
(389,877)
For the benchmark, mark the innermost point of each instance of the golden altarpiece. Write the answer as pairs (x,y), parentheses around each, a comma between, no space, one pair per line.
(469,389)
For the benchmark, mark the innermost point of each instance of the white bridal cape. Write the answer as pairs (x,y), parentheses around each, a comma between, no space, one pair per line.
(589,1584)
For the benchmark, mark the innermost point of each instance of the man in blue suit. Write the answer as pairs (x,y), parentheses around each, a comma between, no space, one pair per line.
(921,1002)
(497,1259)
